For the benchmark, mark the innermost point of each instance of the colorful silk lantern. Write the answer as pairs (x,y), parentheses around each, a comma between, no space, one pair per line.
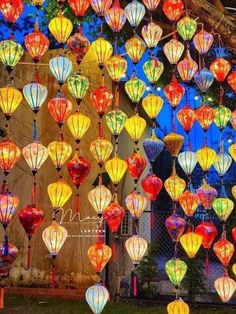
(191,243)
(35,155)
(152,33)
(173,143)
(173,50)
(189,202)
(11,10)
(208,232)
(116,169)
(101,6)
(203,41)
(136,204)
(220,68)
(116,67)
(206,156)
(113,215)
(135,48)
(78,45)
(78,169)
(187,27)
(173,9)
(175,226)
(35,95)
(78,85)
(10,53)
(233,190)
(60,109)
(103,50)
(176,270)
(134,12)
(135,88)
(115,120)
(153,147)
(187,68)
(59,193)
(9,155)
(59,151)
(99,255)
(233,119)
(60,27)
(204,79)
(186,117)
(135,127)
(223,207)
(79,7)
(224,250)
(225,287)
(10,99)
(207,194)
(232,151)
(222,116)
(152,105)
(97,297)
(100,197)
(7,260)
(136,165)
(205,115)
(8,207)
(60,67)
(115,17)
(174,186)
(101,99)
(222,163)
(78,124)
(234,268)
(232,80)
(187,161)
(136,248)
(151,5)
(174,92)
(153,70)
(152,186)
(101,149)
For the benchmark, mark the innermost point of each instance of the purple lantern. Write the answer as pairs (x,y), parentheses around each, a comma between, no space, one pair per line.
(175,226)
(152,147)
(204,79)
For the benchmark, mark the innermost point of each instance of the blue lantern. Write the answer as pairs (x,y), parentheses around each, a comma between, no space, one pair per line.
(97,297)
(152,147)
(35,95)
(60,67)
(204,79)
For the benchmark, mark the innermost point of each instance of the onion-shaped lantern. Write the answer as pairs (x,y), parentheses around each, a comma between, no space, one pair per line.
(78,85)
(113,215)
(135,88)
(153,70)
(207,194)
(233,119)
(9,155)
(152,33)
(233,190)
(59,193)
(78,45)
(116,67)
(135,48)
(187,27)
(187,68)
(151,5)
(136,204)
(223,207)
(136,248)
(232,151)
(220,68)
(10,99)
(101,149)
(203,41)
(206,156)
(178,306)
(78,169)
(115,120)
(208,232)
(225,287)
(191,243)
(101,6)
(78,124)
(60,27)
(222,116)
(101,99)
(152,147)
(103,50)
(59,151)
(186,117)
(174,186)
(99,255)
(232,80)
(60,67)
(173,50)
(187,161)
(10,53)
(152,186)
(152,105)
(136,165)
(189,202)
(35,155)
(35,95)
(222,163)
(8,207)
(100,197)
(115,17)
(135,12)
(224,250)
(173,9)
(60,109)
(7,260)
(205,115)
(11,10)
(135,127)
(204,79)
(173,143)
(54,237)
(97,297)
(176,270)
(175,226)
(174,92)
(116,169)
(79,7)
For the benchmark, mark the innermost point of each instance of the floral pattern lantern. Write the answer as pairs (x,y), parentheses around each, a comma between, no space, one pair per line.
(116,169)
(136,204)
(115,17)
(78,169)
(78,45)
(136,248)
(115,120)
(78,85)
(178,306)
(100,197)
(7,260)
(187,68)
(224,250)
(152,34)
(97,297)
(101,99)
(79,7)
(116,67)
(153,147)
(220,68)
(174,92)
(151,5)
(135,88)
(10,53)
(101,6)
(187,161)
(186,117)
(78,124)
(232,80)
(59,151)
(208,232)
(60,67)
(101,149)
(59,193)
(153,70)
(222,116)
(173,50)
(99,255)
(134,12)
(35,95)
(113,216)
(9,155)
(136,165)
(205,115)
(8,207)
(35,155)
(225,287)
(174,186)
(152,186)
(175,226)
(135,48)
(187,27)
(152,105)
(173,143)
(11,10)
(189,202)
(204,79)
(60,109)
(207,194)
(60,27)
(103,50)
(10,99)
(222,163)
(206,157)
(176,270)
(135,127)
(173,9)
(191,243)
(203,41)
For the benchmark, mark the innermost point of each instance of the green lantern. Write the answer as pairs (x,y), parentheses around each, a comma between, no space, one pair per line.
(187,27)
(222,116)
(115,120)
(223,207)
(153,69)
(176,270)
(78,85)
(135,88)
(10,53)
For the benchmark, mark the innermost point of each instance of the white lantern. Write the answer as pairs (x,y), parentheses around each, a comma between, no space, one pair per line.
(97,297)
(60,67)
(35,95)
(222,163)
(100,198)
(136,248)
(135,12)
(187,161)
(225,287)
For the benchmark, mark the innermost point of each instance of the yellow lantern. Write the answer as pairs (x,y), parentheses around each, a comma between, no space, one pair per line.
(10,53)
(100,197)
(191,243)
(10,99)
(101,150)
(178,307)
(59,193)
(222,116)
(232,151)
(136,204)
(174,185)
(173,143)
(116,169)
(103,50)
(173,50)
(38,3)
(60,27)
(59,151)
(135,88)
(136,248)
(135,126)
(35,155)
(135,48)
(222,163)
(116,67)
(153,69)
(234,269)
(152,104)
(233,190)
(78,124)
(206,157)
(225,287)
(223,207)
(152,33)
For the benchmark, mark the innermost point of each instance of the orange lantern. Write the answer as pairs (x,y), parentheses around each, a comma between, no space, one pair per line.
(152,33)
(173,9)
(78,45)
(174,92)
(232,80)
(79,7)
(174,185)
(115,17)
(225,287)
(136,204)
(206,157)
(224,250)
(116,67)
(187,68)
(189,202)
(135,48)
(101,6)
(60,109)
(191,243)
(203,41)
(220,68)
(173,50)
(173,143)
(205,115)
(9,155)
(101,99)
(233,190)
(186,117)
(11,10)
(151,5)
(232,151)
(99,254)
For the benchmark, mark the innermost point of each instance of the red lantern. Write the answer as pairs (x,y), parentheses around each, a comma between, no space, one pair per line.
(174,92)
(152,186)
(234,233)
(220,68)
(115,17)
(101,99)
(175,226)
(6,260)
(9,155)
(186,117)
(79,7)
(78,169)
(113,215)
(203,41)
(11,9)
(60,109)
(208,232)
(232,80)
(224,250)
(173,9)
(207,194)
(99,254)
(136,164)
(205,115)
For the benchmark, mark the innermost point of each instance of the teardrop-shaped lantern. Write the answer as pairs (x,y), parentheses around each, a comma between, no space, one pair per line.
(187,161)
(152,105)
(136,165)
(135,12)
(186,117)
(208,232)
(152,33)
(174,92)
(135,88)
(100,197)
(60,109)
(113,216)
(191,243)
(176,270)
(206,156)
(99,255)
(220,68)
(97,297)
(101,149)
(10,99)
(135,48)
(222,116)
(116,67)
(136,248)
(223,207)
(153,70)
(222,163)
(173,50)
(152,186)
(187,68)
(225,287)
(151,5)
(224,250)
(204,79)
(10,53)
(231,80)
(78,169)
(174,186)
(175,226)
(78,45)
(59,151)
(116,169)
(59,193)
(178,306)
(173,9)
(189,202)
(136,204)
(205,115)
(11,10)
(152,147)
(207,194)
(78,85)
(35,95)
(35,155)
(101,99)
(8,207)
(232,151)
(79,7)
(187,27)
(115,120)
(54,237)
(173,143)
(115,17)
(60,67)
(78,124)
(101,6)
(135,127)
(203,41)
(103,50)
(9,155)
(60,27)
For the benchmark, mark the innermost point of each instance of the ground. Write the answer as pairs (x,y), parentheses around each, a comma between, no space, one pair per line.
(55,306)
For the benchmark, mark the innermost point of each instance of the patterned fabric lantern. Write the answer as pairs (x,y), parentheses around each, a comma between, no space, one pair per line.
(205,115)
(116,67)
(187,68)
(99,254)
(115,120)
(152,186)
(101,6)
(35,155)
(187,27)
(11,10)
(54,237)
(178,306)
(152,147)
(152,33)
(174,92)
(175,226)
(189,203)
(232,151)
(222,163)
(79,7)
(173,143)
(78,45)
(59,151)
(222,116)
(135,12)
(78,169)
(135,127)
(208,232)
(113,216)
(100,197)
(135,88)
(136,165)
(204,79)
(35,95)
(173,9)
(223,207)
(224,250)
(78,124)
(176,270)
(232,80)
(186,117)
(7,260)
(116,169)
(78,85)
(101,149)
(115,17)
(220,68)
(173,50)
(135,48)
(10,99)
(136,248)
(10,53)
(153,69)
(174,186)
(136,204)
(203,41)
(60,109)
(187,161)
(97,297)
(151,5)
(9,155)
(60,67)
(59,193)
(207,195)
(191,243)
(101,99)
(103,50)
(225,287)
(60,27)
(8,207)
(152,105)
(233,119)
(206,157)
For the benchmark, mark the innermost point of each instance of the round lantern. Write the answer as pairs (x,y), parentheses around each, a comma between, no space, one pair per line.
(9,155)
(175,226)
(222,163)
(115,120)
(203,41)
(208,232)
(232,151)
(152,33)
(97,297)
(152,186)
(136,204)
(135,127)
(222,116)
(176,270)
(224,250)
(8,207)
(174,92)
(116,169)
(187,27)
(136,248)
(220,68)
(135,12)
(187,161)
(117,67)
(101,149)
(136,165)
(99,254)
(152,105)
(232,80)
(60,109)
(7,260)
(35,155)
(186,117)
(103,50)
(233,119)
(135,88)
(101,6)
(204,79)
(59,193)
(153,70)
(78,169)
(10,99)
(60,67)
(54,237)
(233,190)
(59,151)
(78,124)
(223,207)
(178,307)
(79,7)
(60,27)
(113,215)
(100,197)
(206,157)
(135,48)
(78,45)
(11,10)
(115,17)
(173,143)
(153,147)
(207,194)
(101,99)
(35,95)
(10,53)
(225,287)
(205,115)
(187,68)
(174,186)
(173,50)
(173,9)
(78,85)
(189,203)
(191,243)
(151,5)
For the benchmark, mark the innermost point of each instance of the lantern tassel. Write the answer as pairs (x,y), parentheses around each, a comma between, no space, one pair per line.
(2,298)
(135,285)
(77,203)
(29,256)
(6,246)
(53,275)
